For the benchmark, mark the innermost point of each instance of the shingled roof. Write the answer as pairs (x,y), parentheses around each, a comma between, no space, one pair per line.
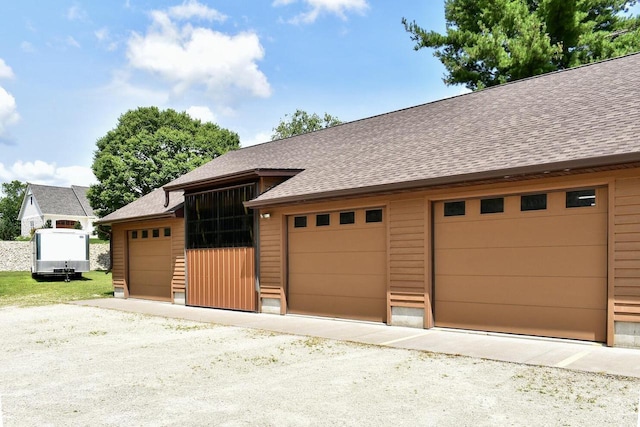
(581,117)
(62,200)
(148,206)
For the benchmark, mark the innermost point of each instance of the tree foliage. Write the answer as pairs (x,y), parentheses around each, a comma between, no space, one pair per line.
(149,148)
(10,206)
(301,122)
(489,42)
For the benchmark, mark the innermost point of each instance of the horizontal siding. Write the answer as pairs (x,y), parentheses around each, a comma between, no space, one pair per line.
(271,252)
(627,250)
(178,281)
(118,267)
(407,270)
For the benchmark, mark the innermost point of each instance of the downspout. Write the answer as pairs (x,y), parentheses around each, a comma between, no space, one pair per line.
(166,198)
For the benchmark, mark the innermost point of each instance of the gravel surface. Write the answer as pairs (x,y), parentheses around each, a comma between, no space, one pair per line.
(66,365)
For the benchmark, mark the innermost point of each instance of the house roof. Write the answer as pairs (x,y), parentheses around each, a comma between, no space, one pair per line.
(576,118)
(148,206)
(62,200)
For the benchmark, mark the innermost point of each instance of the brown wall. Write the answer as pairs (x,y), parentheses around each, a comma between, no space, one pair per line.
(410,247)
(120,255)
(627,250)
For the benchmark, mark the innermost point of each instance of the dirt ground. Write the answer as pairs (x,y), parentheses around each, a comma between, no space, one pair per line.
(66,365)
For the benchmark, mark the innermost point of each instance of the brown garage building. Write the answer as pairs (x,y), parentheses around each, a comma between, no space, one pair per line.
(513,209)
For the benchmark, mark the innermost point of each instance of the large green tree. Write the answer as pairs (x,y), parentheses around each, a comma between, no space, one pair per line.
(149,148)
(10,205)
(301,122)
(489,42)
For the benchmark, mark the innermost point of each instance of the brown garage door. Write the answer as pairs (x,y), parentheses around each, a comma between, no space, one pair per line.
(531,264)
(150,264)
(337,264)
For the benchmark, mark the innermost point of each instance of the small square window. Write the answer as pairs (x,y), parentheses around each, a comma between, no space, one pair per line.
(581,198)
(134,234)
(347,217)
(155,232)
(300,221)
(167,232)
(488,206)
(373,215)
(322,220)
(533,202)
(454,208)
(145,234)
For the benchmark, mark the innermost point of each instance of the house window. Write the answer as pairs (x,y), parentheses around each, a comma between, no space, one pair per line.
(489,206)
(581,198)
(145,234)
(373,215)
(134,234)
(156,232)
(219,219)
(454,208)
(533,202)
(300,221)
(167,232)
(322,220)
(347,217)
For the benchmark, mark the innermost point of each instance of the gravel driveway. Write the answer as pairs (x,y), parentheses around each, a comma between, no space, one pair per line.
(67,365)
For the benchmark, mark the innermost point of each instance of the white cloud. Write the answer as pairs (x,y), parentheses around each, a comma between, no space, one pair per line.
(72,42)
(192,9)
(258,138)
(339,8)
(40,172)
(102,34)
(27,47)
(76,13)
(201,112)
(8,111)
(5,71)
(198,57)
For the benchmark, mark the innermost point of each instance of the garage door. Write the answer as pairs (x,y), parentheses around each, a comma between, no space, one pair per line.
(150,263)
(531,264)
(337,264)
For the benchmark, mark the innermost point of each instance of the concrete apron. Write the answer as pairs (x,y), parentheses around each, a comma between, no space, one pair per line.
(559,353)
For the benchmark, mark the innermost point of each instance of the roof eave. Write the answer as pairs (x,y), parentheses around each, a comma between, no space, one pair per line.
(470,178)
(165,215)
(230,178)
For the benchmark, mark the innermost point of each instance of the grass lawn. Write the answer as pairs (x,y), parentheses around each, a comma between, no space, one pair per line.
(17,288)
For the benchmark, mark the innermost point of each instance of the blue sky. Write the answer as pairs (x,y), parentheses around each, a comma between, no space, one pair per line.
(69,69)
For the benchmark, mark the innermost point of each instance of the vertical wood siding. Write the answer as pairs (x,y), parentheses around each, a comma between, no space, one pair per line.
(407,267)
(627,250)
(222,278)
(271,283)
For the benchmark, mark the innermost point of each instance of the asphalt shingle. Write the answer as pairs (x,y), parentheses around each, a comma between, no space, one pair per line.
(582,114)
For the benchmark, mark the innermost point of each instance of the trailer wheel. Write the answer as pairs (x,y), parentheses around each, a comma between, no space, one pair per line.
(77,275)
(34,276)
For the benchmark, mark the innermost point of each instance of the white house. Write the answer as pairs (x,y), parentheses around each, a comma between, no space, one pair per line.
(64,206)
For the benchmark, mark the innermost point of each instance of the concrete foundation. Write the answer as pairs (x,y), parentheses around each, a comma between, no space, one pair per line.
(118,292)
(271,305)
(626,334)
(407,316)
(179,298)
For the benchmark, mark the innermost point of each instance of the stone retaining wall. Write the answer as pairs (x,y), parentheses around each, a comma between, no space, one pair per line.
(16,256)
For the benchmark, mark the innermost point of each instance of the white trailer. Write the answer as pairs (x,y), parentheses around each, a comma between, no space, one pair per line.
(60,252)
